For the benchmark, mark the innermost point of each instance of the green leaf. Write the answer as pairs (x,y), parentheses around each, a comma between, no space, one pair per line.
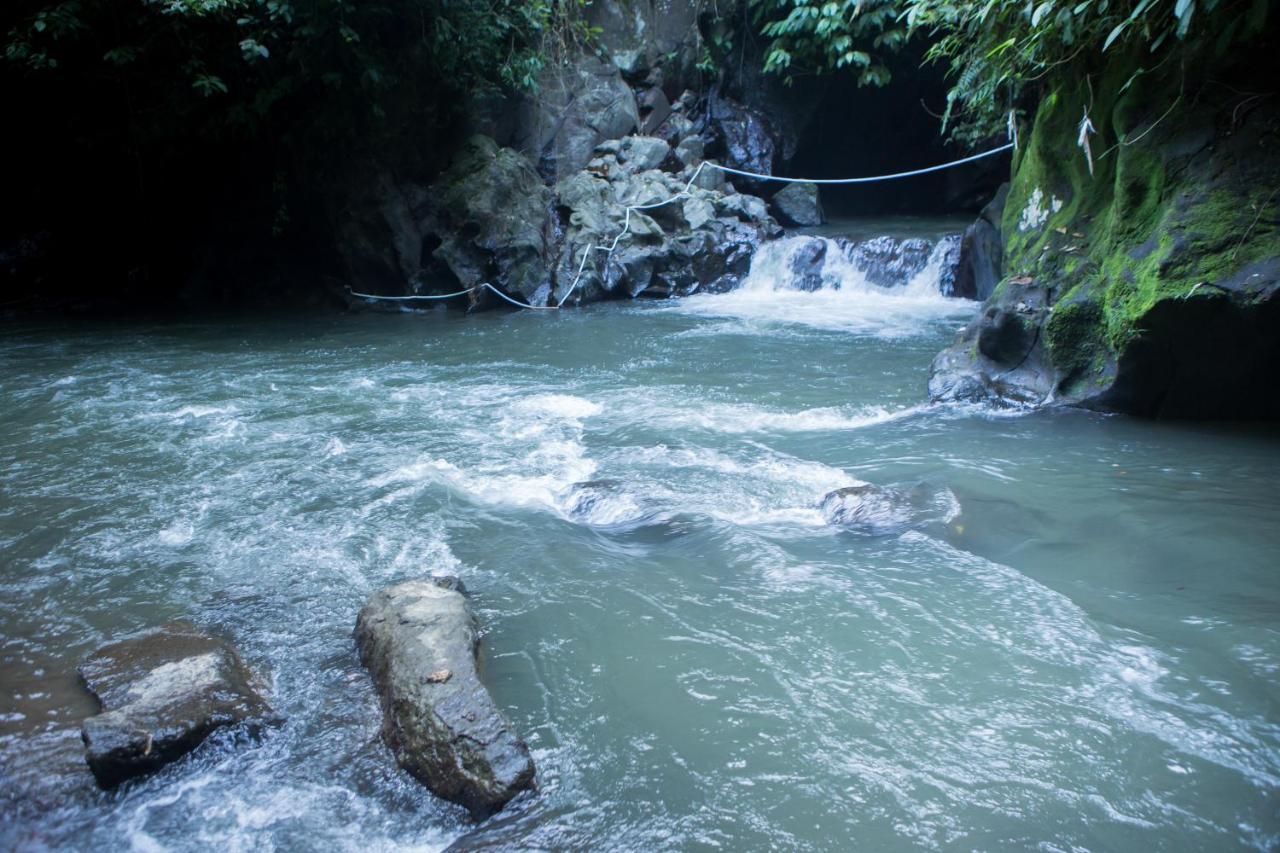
(209,85)
(1184,12)
(1115,34)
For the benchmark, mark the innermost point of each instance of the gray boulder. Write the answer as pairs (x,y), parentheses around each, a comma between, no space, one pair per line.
(641,153)
(689,150)
(577,107)
(705,177)
(161,694)
(421,645)
(489,214)
(798,204)
(655,108)
(747,208)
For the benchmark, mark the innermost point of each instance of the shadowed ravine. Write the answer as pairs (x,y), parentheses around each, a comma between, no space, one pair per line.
(1087,653)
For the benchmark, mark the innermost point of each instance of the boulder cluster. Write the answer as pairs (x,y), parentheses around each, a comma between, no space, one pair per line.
(605,185)
(163,693)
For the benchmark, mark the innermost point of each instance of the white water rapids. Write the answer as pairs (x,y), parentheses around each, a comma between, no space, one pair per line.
(1085,657)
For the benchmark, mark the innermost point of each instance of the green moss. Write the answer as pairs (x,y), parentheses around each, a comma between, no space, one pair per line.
(1074,337)
(1202,238)
(1141,229)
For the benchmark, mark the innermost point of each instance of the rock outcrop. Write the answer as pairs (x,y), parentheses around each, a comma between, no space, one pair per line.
(488,218)
(578,106)
(980,264)
(702,240)
(421,644)
(1148,285)
(534,197)
(798,204)
(161,695)
(641,36)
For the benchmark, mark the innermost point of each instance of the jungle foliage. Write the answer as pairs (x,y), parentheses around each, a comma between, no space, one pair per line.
(142,125)
(995,50)
(236,62)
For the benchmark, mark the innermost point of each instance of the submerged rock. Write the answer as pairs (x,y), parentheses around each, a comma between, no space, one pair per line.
(421,645)
(161,695)
(798,204)
(609,505)
(884,510)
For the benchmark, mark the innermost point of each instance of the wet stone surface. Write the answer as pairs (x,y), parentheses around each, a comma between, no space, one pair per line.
(420,643)
(161,695)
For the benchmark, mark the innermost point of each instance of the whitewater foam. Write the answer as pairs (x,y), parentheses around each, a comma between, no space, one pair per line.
(831,285)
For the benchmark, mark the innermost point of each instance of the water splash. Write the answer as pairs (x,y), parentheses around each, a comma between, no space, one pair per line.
(883,287)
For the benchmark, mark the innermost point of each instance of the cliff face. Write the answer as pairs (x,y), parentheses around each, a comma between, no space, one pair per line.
(530,202)
(1149,285)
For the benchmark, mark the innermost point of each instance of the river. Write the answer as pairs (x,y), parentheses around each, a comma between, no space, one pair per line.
(1085,655)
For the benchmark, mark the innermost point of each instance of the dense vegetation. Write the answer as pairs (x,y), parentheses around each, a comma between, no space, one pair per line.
(996,51)
(147,125)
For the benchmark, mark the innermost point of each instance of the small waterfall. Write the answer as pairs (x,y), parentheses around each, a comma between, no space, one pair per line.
(910,267)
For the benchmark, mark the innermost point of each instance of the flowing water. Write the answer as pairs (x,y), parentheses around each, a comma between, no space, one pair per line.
(1081,655)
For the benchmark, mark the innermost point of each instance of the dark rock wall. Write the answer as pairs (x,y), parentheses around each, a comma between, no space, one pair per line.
(1149,285)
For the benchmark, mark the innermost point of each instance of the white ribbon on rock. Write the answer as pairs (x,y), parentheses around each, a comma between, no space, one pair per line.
(1086,128)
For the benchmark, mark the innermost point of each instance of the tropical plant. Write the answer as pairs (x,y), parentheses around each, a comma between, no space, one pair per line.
(995,49)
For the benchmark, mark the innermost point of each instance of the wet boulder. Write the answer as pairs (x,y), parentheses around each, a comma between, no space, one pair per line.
(980,265)
(742,139)
(1000,357)
(798,204)
(161,695)
(885,510)
(888,261)
(806,264)
(608,505)
(420,643)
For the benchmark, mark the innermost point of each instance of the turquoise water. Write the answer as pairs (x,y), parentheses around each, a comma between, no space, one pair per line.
(1085,657)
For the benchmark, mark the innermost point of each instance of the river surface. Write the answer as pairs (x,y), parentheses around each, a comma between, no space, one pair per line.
(1084,656)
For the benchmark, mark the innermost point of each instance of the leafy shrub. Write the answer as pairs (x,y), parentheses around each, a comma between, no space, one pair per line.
(995,49)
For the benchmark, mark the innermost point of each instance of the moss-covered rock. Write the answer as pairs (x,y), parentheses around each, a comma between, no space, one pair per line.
(1154,275)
